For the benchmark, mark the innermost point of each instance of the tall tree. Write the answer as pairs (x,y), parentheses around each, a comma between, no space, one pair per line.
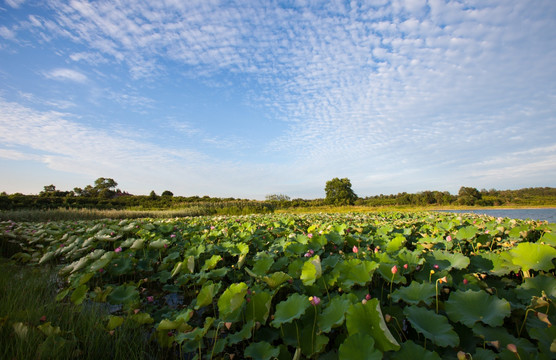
(339,192)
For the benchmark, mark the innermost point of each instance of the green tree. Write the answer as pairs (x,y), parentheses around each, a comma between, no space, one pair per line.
(468,196)
(167,193)
(339,192)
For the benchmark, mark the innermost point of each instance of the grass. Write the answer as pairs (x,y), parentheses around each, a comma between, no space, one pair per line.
(27,304)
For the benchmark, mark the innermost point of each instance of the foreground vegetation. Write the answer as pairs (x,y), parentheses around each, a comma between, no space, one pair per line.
(348,286)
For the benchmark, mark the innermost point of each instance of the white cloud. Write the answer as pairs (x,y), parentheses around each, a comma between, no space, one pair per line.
(66,75)
(15,3)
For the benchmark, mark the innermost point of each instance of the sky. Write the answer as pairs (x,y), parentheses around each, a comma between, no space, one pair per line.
(250,98)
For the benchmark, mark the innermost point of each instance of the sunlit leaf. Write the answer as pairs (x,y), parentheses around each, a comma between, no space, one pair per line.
(533,256)
(415,293)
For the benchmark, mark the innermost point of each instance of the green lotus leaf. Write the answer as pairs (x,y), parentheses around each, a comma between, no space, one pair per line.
(467,232)
(241,335)
(415,293)
(47,257)
(456,260)
(357,347)
(79,294)
(333,314)
(483,354)
(311,271)
(276,279)
(211,263)
(385,270)
(395,244)
(121,266)
(355,272)
(367,319)
(114,322)
(231,301)
(158,244)
(500,334)
(412,258)
(290,309)
(533,256)
(49,330)
(501,263)
(535,286)
(261,351)
(191,264)
(312,343)
(410,350)
(548,238)
(335,238)
(123,294)
(142,318)
(258,308)
(546,337)
(433,326)
(102,262)
(138,244)
(262,265)
(207,294)
(177,268)
(469,307)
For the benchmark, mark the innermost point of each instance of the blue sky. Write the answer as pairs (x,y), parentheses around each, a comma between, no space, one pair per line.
(250,98)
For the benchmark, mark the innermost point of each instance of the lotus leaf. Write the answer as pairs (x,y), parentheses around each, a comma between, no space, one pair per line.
(114,322)
(311,271)
(258,308)
(79,294)
(241,335)
(207,294)
(123,294)
(211,263)
(333,314)
(415,293)
(231,301)
(367,319)
(469,307)
(535,286)
(356,272)
(262,265)
(410,350)
(276,279)
(49,330)
(290,309)
(467,232)
(396,243)
(533,256)
(433,326)
(142,318)
(159,244)
(261,351)
(456,260)
(138,244)
(357,347)
(548,238)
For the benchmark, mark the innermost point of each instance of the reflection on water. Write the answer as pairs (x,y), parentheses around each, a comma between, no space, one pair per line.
(533,214)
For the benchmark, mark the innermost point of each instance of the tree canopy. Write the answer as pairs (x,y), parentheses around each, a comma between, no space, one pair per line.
(339,192)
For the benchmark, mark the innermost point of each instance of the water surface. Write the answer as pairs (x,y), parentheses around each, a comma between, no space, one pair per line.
(548,214)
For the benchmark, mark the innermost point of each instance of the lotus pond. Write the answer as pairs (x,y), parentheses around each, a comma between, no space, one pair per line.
(349,286)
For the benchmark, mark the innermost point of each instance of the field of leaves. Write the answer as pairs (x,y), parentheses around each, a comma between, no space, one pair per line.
(350,286)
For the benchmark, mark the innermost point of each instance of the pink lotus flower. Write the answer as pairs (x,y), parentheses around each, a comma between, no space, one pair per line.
(368,297)
(448,238)
(465,281)
(310,235)
(355,249)
(118,249)
(405,266)
(150,298)
(436,266)
(173,235)
(314,300)
(394,269)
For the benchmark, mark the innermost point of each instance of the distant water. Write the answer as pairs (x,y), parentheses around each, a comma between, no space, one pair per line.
(524,214)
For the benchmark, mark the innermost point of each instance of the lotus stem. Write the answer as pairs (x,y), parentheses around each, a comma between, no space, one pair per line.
(313,333)
(524,321)
(215,337)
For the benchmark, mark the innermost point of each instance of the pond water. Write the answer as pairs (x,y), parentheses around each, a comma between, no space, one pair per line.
(548,214)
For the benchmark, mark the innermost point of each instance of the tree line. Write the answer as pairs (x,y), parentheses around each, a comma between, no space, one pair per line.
(104,194)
